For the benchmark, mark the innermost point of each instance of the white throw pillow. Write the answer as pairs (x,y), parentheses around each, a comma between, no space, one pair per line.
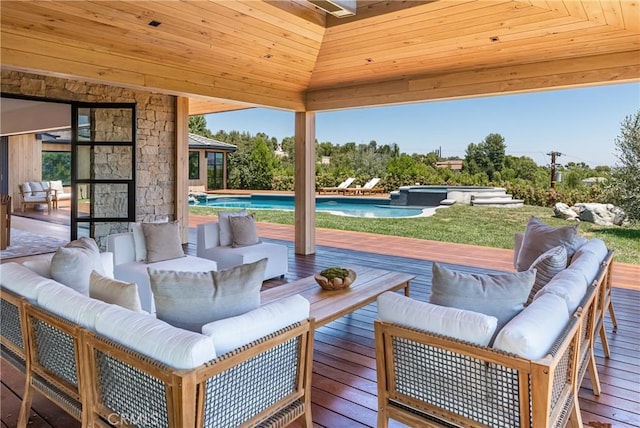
(163,241)
(540,237)
(38,188)
(56,185)
(26,189)
(226,238)
(231,333)
(72,264)
(190,300)
(501,295)
(461,324)
(548,265)
(532,332)
(43,266)
(114,292)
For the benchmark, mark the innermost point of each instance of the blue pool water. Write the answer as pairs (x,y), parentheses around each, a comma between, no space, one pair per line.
(352,207)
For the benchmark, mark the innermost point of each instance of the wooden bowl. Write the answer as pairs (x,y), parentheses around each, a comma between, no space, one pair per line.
(335,283)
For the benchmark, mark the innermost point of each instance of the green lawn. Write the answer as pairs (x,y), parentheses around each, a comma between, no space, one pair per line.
(490,227)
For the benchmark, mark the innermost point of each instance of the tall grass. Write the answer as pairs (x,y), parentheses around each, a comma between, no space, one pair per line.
(460,223)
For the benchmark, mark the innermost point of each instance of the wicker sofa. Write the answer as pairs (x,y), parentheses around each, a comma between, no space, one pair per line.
(427,376)
(107,365)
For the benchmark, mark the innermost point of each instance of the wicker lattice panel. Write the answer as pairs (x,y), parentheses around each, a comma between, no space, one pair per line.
(10,320)
(136,397)
(460,384)
(246,389)
(56,351)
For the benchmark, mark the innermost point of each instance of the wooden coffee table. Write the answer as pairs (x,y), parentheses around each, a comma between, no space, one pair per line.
(329,305)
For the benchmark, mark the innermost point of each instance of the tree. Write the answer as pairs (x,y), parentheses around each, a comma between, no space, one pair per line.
(486,157)
(198,125)
(626,173)
(262,164)
(494,148)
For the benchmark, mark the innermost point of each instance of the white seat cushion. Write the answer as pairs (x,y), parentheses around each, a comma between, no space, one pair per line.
(23,281)
(71,305)
(461,324)
(570,285)
(231,333)
(180,349)
(277,255)
(531,333)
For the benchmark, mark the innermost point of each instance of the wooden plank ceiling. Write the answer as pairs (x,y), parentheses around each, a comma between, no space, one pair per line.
(289,55)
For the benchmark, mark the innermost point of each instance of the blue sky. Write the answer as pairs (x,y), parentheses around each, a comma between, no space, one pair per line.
(581,123)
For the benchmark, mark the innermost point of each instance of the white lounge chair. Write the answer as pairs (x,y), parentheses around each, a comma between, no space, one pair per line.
(368,187)
(344,185)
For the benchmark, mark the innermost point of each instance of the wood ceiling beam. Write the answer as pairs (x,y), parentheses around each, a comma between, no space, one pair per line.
(585,71)
(200,106)
(48,58)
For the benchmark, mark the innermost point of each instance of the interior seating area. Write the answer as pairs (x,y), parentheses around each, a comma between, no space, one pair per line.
(49,193)
(34,193)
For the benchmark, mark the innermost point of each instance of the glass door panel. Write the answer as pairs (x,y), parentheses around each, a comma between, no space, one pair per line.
(103,169)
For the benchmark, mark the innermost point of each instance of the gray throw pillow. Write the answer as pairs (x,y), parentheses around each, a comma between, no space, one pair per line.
(190,300)
(72,264)
(163,241)
(540,237)
(243,231)
(501,295)
(548,265)
(226,239)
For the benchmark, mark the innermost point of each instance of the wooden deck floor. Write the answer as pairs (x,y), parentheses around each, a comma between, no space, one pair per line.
(344,379)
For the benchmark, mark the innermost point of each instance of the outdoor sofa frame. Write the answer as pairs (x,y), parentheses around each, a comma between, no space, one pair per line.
(426,379)
(101,382)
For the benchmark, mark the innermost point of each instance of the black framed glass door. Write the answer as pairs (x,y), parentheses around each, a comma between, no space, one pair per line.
(103,162)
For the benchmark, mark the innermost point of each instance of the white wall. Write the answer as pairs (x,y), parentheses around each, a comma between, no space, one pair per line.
(22,116)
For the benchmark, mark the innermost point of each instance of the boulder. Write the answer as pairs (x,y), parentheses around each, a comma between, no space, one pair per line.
(564,211)
(601,214)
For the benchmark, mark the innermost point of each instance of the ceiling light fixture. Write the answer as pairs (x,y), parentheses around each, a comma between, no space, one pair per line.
(339,8)
(155,23)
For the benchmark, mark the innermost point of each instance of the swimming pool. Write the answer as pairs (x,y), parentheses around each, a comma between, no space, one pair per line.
(350,207)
